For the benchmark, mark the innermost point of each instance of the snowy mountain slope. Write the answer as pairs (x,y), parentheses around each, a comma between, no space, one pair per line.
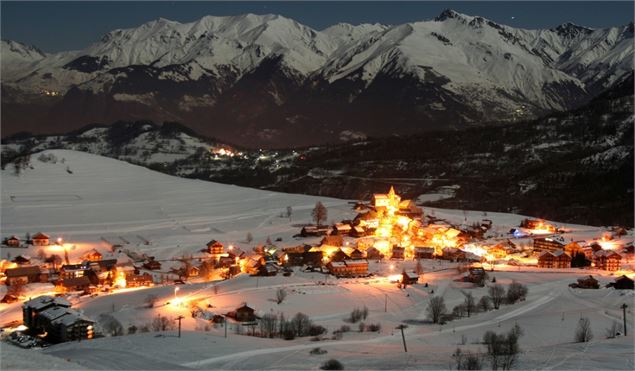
(267,73)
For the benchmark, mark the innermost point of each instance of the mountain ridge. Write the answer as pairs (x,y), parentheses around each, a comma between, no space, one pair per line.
(453,71)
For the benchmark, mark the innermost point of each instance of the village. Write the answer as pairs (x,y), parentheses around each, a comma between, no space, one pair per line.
(247,268)
(386,229)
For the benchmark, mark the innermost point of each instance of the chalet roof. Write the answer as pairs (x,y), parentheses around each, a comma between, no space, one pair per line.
(63,316)
(623,278)
(22,271)
(13,237)
(244,307)
(555,254)
(342,227)
(53,313)
(25,258)
(354,262)
(70,318)
(76,281)
(40,236)
(46,300)
(74,267)
(559,253)
(607,253)
(411,274)
(92,251)
(332,240)
(214,243)
(105,263)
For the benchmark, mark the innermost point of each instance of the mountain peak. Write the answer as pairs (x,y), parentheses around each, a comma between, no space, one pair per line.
(449,14)
(570,29)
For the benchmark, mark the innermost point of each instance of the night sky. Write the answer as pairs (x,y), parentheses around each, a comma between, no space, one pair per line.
(56,26)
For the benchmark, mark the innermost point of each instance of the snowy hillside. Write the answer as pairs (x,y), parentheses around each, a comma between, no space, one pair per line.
(261,77)
(86,198)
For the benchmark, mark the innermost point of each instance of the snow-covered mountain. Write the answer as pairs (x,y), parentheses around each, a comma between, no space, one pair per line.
(267,80)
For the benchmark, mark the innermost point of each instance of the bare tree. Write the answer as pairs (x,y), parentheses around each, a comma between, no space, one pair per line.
(110,324)
(583,332)
(485,303)
(319,213)
(249,237)
(503,349)
(436,308)
(469,303)
(497,294)
(301,324)
(467,360)
(162,324)
(150,300)
(613,331)
(289,211)
(281,294)
(268,325)
(516,292)
(419,267)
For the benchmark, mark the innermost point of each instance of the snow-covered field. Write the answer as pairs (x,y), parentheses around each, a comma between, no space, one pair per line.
(106,198)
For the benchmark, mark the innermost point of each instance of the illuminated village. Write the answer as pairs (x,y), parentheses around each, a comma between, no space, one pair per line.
(387,240)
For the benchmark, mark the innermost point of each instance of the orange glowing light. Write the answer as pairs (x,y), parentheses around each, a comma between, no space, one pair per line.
(395,278)
(120,280)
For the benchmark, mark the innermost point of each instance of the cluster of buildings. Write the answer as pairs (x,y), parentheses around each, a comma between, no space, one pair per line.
(391,228)
(88,274)
(54,319)
(555,253)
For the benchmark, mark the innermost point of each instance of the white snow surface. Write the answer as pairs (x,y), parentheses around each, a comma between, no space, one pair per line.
(113,199)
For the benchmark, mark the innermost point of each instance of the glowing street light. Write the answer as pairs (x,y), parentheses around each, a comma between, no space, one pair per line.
(230,247)
(175,291)
(59,241)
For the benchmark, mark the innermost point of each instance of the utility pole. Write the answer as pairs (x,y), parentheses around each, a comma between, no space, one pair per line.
(179,318)
(385,303)
(624,306)
(225,325)
(403,337)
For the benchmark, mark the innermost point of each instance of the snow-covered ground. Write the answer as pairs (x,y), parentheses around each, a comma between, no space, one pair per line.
(106,198)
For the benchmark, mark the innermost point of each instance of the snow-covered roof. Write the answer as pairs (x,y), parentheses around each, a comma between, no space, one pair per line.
(411,274)
(606,253)
(46,300)
(40,236)
(342,227)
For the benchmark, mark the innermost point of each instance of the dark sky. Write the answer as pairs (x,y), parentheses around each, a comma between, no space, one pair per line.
(54,26)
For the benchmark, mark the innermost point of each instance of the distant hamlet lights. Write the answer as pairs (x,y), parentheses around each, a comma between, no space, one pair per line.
(59,240)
